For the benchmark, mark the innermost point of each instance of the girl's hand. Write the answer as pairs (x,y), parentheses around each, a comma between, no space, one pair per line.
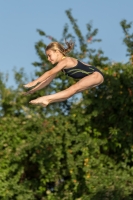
(31,84)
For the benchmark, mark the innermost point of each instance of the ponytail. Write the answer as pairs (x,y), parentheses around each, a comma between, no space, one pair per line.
(57,46)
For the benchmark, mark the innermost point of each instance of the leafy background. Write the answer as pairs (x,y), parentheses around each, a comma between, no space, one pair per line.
(78,149)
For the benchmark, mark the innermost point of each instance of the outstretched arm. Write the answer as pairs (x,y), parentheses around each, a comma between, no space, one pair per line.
(41,85)
(47,74)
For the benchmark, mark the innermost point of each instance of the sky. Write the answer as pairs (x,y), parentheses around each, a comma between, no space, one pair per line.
(19,21)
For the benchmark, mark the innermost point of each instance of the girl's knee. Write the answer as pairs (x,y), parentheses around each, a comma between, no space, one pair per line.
(98,76)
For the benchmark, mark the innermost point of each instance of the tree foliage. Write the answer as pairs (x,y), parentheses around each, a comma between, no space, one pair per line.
(80,149)
(128,39)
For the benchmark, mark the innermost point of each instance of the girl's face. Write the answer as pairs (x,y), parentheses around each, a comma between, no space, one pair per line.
(52,56)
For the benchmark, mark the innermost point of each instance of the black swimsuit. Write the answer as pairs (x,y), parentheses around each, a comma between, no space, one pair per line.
(81,70)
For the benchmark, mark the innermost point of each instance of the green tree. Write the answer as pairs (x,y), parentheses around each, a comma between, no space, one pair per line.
(95,57)
(128,39)
(83,152)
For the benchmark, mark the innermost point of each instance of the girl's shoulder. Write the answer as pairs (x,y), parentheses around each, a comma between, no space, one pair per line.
(70,61)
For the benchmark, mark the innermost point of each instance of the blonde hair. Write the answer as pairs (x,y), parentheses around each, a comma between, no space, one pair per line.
(57,46)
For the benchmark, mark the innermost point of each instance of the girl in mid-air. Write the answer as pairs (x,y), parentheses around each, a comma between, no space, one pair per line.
(88,76)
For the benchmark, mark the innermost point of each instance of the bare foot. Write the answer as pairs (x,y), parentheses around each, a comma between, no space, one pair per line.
(40,101)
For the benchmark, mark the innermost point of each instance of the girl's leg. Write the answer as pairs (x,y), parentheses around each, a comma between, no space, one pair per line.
(85,83)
